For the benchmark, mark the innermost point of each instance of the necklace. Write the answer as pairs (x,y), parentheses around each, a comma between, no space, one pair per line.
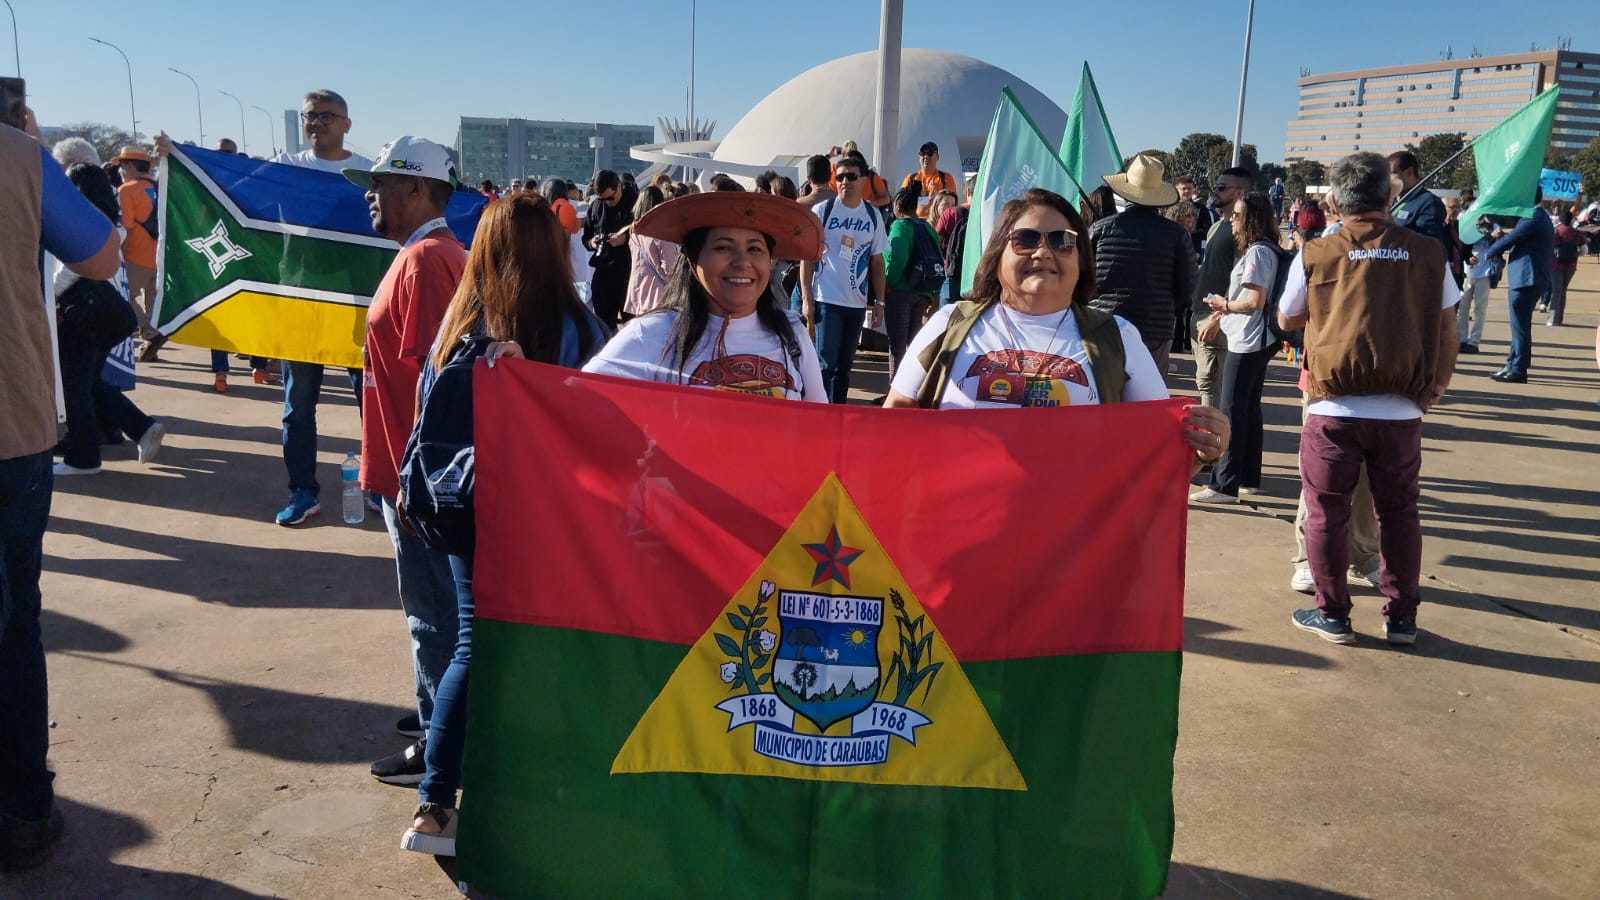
(1038,366)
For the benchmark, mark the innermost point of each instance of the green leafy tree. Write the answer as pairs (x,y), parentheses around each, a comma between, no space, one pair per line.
(108,140)
(1164,156)
(1466,172)
(1269,173)
(1193,157)
(1587,163)
(1433,151)
(1303,174)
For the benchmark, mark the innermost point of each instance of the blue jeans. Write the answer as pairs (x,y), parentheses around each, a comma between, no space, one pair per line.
(447,730)
(302,387)
(92,403)
(25,791)
(428,598)
(838,335)
(1522,302)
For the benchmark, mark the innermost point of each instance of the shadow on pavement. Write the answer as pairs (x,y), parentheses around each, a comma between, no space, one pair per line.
(80,865)
(1186,881)
(231,574)
(62,632)
(1200,636)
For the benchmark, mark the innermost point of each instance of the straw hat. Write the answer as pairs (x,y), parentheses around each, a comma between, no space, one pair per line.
(795,230)
(132,153)
(1143,184)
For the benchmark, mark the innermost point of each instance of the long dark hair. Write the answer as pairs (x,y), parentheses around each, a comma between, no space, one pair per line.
(92,183)
(686,297)
(986,279)
(1260,223)
(517,283)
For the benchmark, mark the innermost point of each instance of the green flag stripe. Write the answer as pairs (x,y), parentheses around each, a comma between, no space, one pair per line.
(541,815)
(1508,159)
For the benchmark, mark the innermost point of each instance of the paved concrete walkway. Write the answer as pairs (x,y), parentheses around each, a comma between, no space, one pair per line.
(219,684)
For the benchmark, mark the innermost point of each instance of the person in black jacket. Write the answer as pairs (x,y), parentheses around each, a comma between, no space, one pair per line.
(605,233)
(1143,262)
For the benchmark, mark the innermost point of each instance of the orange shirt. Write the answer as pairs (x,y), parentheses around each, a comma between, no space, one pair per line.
(138,201)
(402,323)
(931,184)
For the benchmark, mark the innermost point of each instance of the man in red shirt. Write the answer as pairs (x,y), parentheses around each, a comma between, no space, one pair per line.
(407,191)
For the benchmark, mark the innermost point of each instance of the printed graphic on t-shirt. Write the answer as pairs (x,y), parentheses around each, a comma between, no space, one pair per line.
(1001,379)
(746,373)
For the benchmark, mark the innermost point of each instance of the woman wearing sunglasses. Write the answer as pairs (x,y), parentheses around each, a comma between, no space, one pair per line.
(1025,335)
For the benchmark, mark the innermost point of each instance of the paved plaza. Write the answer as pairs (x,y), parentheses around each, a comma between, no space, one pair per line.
(219,685)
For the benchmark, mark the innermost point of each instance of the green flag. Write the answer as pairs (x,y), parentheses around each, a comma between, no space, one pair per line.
(1016,158)
(1088,149)
(1508,158)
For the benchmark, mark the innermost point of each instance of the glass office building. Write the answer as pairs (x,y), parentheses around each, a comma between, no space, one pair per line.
(503,149)
(1382,110)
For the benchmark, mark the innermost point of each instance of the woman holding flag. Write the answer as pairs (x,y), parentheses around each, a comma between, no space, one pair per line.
(1025,335)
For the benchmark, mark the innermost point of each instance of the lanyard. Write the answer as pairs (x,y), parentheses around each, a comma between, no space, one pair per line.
(427,228)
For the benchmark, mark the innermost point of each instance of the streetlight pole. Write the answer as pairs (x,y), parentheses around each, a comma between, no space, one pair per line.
(272,138)
(1244,76)
(133,117)
(16,47)
(200,114)
(244,142)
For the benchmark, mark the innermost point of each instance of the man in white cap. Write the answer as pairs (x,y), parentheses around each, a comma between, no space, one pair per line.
(407,191)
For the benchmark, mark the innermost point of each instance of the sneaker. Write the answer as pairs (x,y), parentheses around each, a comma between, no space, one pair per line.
(26,845)
(265,376)
(150,442)
(1468,348)
(1251,491)
(1335,630)
(302,506)
(1210,496)
(62,468)
(373,505)
(402,768)
(441,844)
(220,384)
(1364,579)
(1400,632)
(411,727)
(1302,581)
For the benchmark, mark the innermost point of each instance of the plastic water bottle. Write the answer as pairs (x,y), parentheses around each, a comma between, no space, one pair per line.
(355,504)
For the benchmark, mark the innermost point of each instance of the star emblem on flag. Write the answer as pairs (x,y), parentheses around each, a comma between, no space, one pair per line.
(833,559)
(217,248)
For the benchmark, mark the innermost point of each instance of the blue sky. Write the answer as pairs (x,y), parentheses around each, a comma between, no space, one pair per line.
(1165,69)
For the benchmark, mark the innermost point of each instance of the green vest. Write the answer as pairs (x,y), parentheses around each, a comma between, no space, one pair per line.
(1102,340)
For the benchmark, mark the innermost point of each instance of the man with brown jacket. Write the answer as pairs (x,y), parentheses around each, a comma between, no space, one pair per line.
(1379,353)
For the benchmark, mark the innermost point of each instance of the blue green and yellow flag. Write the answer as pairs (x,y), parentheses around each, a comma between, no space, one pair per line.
(1016,158)
(271,260)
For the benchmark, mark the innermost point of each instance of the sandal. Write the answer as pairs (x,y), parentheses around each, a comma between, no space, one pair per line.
(441,843)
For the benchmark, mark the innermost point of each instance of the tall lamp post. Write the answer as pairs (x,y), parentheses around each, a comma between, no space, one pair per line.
(1244,76)
(199,114)
(271,137)
(244,142)
(133,117)
(16,47)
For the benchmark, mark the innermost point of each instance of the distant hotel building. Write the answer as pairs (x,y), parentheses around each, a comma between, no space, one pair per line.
(503,149)
(1382,110)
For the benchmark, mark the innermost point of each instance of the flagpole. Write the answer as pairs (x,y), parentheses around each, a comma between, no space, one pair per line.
(1424,179)
(1244,76)
(886,139)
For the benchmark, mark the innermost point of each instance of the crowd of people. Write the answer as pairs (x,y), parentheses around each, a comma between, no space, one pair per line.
(768,292)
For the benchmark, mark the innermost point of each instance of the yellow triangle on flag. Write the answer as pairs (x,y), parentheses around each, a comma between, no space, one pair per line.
(824,667)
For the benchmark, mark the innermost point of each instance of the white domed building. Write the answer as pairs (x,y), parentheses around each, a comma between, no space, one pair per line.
(946,98)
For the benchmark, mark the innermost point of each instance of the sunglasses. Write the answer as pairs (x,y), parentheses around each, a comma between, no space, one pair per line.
(321,118)
(1219,187)
(847,176)
(1028,239)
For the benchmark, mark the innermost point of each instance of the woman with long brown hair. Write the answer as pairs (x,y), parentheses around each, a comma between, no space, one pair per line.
(1250,346)
(516,299)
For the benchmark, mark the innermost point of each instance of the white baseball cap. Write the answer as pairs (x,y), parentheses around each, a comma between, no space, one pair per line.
(407,155)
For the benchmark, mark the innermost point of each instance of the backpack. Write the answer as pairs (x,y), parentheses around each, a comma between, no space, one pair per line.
(152,225)
(1566,252)
(955,247)
(438,469)
(1102,342)
(95,313)
(1269,310)
(925,268)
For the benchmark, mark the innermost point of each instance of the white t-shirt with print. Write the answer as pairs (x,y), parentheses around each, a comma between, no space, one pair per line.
(306,159)
(853,237)
(1247,331)
(1391,407)
(753,360)
(989,373)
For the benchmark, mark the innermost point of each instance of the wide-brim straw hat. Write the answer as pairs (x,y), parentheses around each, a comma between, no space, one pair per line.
(795,230)
(132,153)
(1143,183)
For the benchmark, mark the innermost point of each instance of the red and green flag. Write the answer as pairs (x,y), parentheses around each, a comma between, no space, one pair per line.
(729,647)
